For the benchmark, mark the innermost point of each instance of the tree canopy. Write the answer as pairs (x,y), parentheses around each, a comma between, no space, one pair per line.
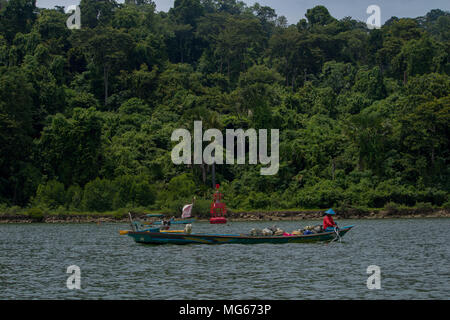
(86,116)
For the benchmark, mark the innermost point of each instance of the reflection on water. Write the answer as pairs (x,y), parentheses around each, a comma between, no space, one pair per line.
(413,256)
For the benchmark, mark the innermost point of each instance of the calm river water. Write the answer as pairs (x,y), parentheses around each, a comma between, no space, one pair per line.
(413,256)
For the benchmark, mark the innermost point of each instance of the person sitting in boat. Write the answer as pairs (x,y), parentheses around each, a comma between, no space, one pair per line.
(165,224)
(328,222)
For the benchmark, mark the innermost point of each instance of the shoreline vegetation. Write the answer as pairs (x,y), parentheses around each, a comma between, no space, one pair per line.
(389,212)
(87,116)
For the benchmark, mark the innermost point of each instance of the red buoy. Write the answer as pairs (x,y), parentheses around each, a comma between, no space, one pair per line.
(218,209)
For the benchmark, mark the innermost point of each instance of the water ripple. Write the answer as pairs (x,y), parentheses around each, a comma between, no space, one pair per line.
(413,256)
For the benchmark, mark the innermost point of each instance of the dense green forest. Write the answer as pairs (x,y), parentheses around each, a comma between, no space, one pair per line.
(86,116)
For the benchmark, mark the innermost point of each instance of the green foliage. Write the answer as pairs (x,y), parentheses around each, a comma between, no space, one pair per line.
(50,194)
(17,16)
(134,105)
(201,208)
(86,116)
(126,191)
(257,91)
(36,214)
(319,15)
(16,131)
(338,76)
(446,205)
(181,186)
(74,197)
(424,206)
(370,83)
(258,200)
(99,195)
(324,194)
(70,148)
(133,191)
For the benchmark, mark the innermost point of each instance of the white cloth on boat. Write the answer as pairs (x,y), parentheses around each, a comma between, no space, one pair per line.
(187,209)
(188,228)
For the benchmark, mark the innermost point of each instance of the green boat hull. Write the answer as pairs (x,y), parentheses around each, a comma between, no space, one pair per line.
(147,237)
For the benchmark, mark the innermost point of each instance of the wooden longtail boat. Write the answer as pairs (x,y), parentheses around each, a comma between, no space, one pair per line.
(150,226)
(157,223)
(148,237)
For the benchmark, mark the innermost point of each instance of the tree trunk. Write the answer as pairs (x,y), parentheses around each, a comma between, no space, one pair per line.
(213,170)
(433,130)
(15,193)
(203,172)
(105,78)
(333,168)
(432,156)
(286,72)
(213,175)
(181,50)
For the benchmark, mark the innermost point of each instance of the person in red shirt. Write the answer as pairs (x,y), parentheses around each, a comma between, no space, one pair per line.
(328,222)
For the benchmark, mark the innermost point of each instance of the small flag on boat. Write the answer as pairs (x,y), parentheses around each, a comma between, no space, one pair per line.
(187,211)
